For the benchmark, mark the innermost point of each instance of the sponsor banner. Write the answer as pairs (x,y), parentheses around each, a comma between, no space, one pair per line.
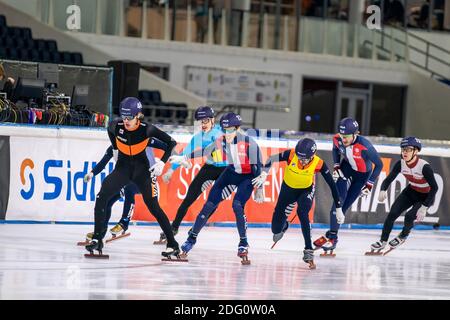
(368,210)
(364,211)
(4,175)
(46,178)
(240,87)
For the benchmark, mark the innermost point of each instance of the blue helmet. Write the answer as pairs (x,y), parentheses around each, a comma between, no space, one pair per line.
(411,142)
(204,112)
(348,126)
(230,120)
(306,148)
(130,107)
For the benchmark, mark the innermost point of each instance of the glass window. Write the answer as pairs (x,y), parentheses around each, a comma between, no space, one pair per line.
(318,105)
(387,111)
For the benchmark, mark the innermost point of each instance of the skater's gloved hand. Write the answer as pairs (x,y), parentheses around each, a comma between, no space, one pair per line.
(167,176)
(157,168)
(421,213)
(115,154)
(340,216)
(181,160)
(382,196)
(337,173)
(259,195)
(366,190)
(88,177)
(258,182)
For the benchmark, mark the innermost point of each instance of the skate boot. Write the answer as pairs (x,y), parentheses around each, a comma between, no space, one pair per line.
(188,245)
(89,237)
(395,243)
(329,246)
(308,257)
(278,236)
(376,248)
(173,254)
(163,238)
(95,244)
(118,231)
(243,252)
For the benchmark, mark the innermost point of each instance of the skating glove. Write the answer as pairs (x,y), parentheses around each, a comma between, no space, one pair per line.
(115,154)
(88,177)
(340,216)
(366,190)
(181,160)
(259,195)
(421,213)
(258,182)
(382,196)
(157,168)
(337,173)
(167,176)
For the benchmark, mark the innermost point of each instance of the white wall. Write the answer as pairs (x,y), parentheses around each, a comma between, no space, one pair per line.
(178,55)
(428,112)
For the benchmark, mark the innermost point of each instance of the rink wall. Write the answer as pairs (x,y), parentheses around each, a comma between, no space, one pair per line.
(42,170)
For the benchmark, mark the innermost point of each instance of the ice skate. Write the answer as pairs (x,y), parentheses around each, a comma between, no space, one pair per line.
(278,236)
(97,245)
(243,254)
(327,243)
(118,232)
(173,254)
(89,237)
(395,243)
(376,248)
(328,249)
(308,257)
(163,238)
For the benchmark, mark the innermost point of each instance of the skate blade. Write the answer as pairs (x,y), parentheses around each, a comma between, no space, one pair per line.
(311,265)
(179,258)
(245,262)
(96,256)
(273,245)
(386,252)
(118,237)
(328,255)
(374,253)
(159,242)
(82,243)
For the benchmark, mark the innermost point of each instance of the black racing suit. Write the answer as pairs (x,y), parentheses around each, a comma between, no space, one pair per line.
(133,166)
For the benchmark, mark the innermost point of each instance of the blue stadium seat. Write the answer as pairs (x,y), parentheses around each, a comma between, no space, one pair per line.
(12,53)
(15,32)
(26,33)
(55,57)
(39,44)
(3,31)
(44,56)
(34,55)
(20,43)
(3,54)
(29,43)
(76,58)
(51,45)
(9,42)
(24,54)
(65,57)
(2,21)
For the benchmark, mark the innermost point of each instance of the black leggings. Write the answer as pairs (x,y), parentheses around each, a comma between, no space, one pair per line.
(409,197)
(140,176)
(207,174)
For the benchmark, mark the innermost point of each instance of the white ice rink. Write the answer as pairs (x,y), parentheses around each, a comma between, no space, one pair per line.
(41,261)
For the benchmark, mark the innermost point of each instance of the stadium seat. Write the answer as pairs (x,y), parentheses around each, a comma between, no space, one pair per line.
(28,43)
(20,43)
(24,54)
(15,32)
(3,31)
(2,21)
(12,53)
(76,58)
(51,45)
(9,42)
(34,55)
(39,44)
(26,33)
(44,56)
(3,54)
(55,57)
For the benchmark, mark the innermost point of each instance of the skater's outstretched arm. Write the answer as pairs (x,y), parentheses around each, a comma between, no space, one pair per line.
(283,156)
(153,131)
(392,175)
(428,174)
(158,144)
(102,163)
(326,174)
